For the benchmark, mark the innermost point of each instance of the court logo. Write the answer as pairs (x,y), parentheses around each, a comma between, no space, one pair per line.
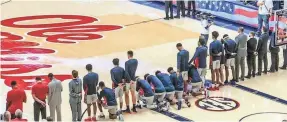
(217,104)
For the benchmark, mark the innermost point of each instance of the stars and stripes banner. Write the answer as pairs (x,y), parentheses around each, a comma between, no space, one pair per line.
(230,10)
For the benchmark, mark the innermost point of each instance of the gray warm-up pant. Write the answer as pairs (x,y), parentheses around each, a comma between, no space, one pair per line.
(76,111)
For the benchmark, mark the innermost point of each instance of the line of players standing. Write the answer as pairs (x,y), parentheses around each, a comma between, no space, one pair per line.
(229,53)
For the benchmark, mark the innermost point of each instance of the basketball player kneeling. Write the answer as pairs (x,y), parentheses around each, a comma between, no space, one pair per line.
(159,92)
(145,93)
(107,100)
(195,84)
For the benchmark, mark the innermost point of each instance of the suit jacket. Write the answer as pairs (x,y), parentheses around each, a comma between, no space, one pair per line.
(55,90)
(241,41)
(251,45)
(262,43)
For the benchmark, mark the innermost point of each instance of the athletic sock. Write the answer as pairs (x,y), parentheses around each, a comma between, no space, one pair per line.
(134,105)
(128,107)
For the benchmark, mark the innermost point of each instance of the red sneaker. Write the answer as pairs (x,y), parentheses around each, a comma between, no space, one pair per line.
(216,88)
(94,119)
(88,119)
(211,89)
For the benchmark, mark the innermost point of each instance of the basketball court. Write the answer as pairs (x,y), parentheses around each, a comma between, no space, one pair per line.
(39,37)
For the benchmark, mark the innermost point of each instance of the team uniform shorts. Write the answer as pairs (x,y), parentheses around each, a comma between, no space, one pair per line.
(119,92)
(178,94)
(216,64)
(170,95)
(159,96)
(92,98)
(130,86)
(230,62)
(111,109)
(184,75)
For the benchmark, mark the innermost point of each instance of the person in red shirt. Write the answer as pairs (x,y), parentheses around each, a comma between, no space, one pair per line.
(39,93)
(15,99)
(18,118)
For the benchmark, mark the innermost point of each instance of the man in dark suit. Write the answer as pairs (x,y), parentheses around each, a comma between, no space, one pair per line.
(251,55)
(168,9)
(274,50)
(180,6)
(262,51)
(189,7)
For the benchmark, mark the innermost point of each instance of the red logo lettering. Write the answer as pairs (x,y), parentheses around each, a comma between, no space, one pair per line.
(74,30)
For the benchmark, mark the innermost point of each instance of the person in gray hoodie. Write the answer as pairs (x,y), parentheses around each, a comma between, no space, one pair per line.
(75,89)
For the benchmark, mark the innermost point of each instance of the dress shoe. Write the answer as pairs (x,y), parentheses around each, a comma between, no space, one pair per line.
(232,82)
(177,17)
(265,72)
(242,79)
(258,74)
(284,68)
(226,82)
(166,18)
(248,76)
(271,71)
(171,17)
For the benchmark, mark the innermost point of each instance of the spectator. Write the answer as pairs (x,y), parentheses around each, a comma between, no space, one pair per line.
(180,8)
(18,115)
(55,97)
(39,93)
(264,12)
(7,116)
(189,3)
(15,99)
(241,41)
(168,10)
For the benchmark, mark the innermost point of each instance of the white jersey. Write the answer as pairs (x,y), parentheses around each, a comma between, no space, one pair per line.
(204,23)
(264,9)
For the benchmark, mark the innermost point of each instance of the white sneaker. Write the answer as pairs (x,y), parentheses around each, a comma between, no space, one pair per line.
(121,117)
